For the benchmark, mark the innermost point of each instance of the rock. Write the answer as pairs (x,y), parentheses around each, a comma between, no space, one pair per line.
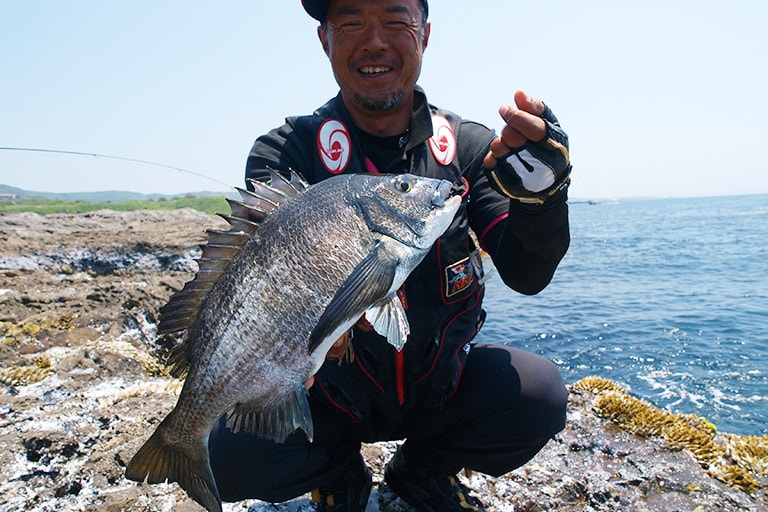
(79,301)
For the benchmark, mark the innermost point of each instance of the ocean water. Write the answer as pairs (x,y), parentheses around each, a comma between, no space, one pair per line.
(668,297)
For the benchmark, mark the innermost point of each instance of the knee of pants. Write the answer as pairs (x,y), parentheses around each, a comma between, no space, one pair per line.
(546,397)
(246,466)
(523,393)
(532,394)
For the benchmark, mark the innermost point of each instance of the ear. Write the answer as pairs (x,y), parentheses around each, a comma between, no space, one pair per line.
(324,40)
(425,36)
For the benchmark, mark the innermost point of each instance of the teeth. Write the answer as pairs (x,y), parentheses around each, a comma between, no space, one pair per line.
(372,70)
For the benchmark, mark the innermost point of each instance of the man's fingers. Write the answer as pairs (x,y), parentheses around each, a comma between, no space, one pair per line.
(531,126)
(489,162)
(529,104)
(338,348)
(512,138)
(522,122)
(499,148)
(363,324)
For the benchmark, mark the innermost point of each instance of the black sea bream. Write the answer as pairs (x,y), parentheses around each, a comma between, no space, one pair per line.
(299,266)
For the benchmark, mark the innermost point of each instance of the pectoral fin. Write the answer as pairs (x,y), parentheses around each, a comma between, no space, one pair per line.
(368,284)
(389,320)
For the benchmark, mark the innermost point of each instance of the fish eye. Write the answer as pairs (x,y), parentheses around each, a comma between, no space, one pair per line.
(404,186)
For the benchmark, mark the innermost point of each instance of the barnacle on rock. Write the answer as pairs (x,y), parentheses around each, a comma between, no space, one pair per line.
(730,458)
(42,362)
(633,414)
(23,375)
(750,452)
(13,333)
(734,475)
(683,436)
(598,384)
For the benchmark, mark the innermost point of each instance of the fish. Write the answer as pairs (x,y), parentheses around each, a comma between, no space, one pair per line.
(299,265)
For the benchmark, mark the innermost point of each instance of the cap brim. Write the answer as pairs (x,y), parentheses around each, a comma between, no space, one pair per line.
(316,8)
(319,8)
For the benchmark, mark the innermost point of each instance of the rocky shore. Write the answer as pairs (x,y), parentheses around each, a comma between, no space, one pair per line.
(82,384)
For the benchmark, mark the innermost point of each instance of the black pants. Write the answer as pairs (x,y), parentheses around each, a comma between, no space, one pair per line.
(508,405)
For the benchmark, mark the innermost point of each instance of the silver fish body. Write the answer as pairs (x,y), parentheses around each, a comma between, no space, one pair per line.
(299,267)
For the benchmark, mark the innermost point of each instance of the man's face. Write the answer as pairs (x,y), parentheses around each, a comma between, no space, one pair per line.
(375,48)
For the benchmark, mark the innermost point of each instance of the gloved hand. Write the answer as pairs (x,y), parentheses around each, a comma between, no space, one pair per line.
(529,161)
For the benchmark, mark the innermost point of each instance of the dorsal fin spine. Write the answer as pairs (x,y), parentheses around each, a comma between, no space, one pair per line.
(223,245)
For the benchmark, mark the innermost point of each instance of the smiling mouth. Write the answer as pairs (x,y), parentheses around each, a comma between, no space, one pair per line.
(374,70)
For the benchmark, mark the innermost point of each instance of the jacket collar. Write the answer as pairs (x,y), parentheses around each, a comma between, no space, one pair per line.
(420,128)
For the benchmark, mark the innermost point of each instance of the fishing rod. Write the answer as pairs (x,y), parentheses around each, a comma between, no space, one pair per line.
(483,151)
(113,157)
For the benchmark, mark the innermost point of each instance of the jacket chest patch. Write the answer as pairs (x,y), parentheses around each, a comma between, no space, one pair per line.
(334,145)
(443,141)
(459,277)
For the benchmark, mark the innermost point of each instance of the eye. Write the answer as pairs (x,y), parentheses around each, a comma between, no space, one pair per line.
(351,25)
(397,24)
(404,186)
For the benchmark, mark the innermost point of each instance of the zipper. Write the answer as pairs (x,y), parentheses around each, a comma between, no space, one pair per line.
(400,355)
(400,375)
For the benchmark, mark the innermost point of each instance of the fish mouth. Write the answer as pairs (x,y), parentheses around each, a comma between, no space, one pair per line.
(443,191)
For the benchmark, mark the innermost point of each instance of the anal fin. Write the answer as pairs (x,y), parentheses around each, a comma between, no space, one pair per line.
(277,422)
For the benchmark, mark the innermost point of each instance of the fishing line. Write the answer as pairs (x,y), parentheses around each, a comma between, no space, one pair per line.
(113,157)
(486,147)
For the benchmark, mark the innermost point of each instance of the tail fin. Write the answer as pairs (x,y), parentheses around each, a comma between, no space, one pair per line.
(157,462)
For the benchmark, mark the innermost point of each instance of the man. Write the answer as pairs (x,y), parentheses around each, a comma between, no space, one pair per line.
(488,408)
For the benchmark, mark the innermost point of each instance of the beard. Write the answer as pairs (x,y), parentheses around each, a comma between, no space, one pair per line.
(380,103)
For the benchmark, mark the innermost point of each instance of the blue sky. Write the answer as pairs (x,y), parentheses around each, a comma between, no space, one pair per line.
(660,98)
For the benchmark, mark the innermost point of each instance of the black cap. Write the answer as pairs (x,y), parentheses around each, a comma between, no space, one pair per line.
(319,8)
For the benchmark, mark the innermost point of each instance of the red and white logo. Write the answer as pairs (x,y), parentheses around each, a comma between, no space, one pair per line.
(443,141)
(334,145)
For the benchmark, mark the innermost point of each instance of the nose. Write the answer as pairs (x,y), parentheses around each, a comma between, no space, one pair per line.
(373,36)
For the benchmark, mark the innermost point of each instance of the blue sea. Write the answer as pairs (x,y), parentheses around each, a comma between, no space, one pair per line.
(668,297)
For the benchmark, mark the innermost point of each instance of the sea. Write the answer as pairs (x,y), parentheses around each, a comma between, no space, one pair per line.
(667,297)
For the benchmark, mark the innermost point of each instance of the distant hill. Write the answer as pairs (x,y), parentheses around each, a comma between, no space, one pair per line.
(113,196)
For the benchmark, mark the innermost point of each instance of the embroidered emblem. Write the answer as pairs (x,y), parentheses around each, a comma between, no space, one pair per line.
(443,141)
(458,277)
(334,145)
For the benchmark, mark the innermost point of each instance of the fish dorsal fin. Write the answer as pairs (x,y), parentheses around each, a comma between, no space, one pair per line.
(275,191)
(254,213)
(292,186)
(276,422)
(239,224)
(181,311)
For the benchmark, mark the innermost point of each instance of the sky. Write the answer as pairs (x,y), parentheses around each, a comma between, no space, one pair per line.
(659,98)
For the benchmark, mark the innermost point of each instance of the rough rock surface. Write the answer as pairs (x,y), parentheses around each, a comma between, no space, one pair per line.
(81,387)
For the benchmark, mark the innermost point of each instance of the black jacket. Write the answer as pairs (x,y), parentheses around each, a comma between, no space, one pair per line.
(443,296)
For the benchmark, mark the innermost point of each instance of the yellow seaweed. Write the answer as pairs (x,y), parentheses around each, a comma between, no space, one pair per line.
(14,333)
(23,375)
(730,458)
